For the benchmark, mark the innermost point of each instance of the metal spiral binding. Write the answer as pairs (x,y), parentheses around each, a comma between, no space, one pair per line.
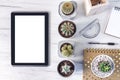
(101,50)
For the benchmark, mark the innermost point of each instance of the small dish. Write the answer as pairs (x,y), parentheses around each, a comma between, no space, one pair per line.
(102,66)
(93,7)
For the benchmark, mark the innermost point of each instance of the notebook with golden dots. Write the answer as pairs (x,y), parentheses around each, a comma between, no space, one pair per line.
(101,64)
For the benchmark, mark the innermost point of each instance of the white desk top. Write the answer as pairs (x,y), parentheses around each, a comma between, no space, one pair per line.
(9,72)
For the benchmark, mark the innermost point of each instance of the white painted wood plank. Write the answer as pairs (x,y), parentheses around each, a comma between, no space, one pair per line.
(9,72)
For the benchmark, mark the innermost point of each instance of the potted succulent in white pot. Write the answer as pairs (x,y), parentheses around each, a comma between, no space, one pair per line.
(95,6)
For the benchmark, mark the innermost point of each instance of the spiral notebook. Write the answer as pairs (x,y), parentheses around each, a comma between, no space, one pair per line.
(91,54)
(113,26)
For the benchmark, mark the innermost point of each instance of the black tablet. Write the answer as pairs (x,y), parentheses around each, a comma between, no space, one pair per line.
(29,38)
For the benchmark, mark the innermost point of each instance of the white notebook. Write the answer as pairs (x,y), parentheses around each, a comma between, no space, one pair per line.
(113,27)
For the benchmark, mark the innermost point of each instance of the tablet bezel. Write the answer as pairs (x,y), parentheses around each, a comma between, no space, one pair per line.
(13,14)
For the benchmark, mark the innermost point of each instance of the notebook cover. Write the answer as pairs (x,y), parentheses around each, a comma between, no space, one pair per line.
(113,26)
(90,54)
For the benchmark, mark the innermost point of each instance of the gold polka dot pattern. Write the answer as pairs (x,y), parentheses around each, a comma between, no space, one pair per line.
(90,54)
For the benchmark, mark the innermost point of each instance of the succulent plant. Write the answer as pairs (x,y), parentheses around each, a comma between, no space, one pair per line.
(104,66)
(67,29)
(67,50)
(66,68)
(95,2)
(67,8)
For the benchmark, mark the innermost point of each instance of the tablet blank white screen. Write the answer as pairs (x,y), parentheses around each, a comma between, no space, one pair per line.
(29,39)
